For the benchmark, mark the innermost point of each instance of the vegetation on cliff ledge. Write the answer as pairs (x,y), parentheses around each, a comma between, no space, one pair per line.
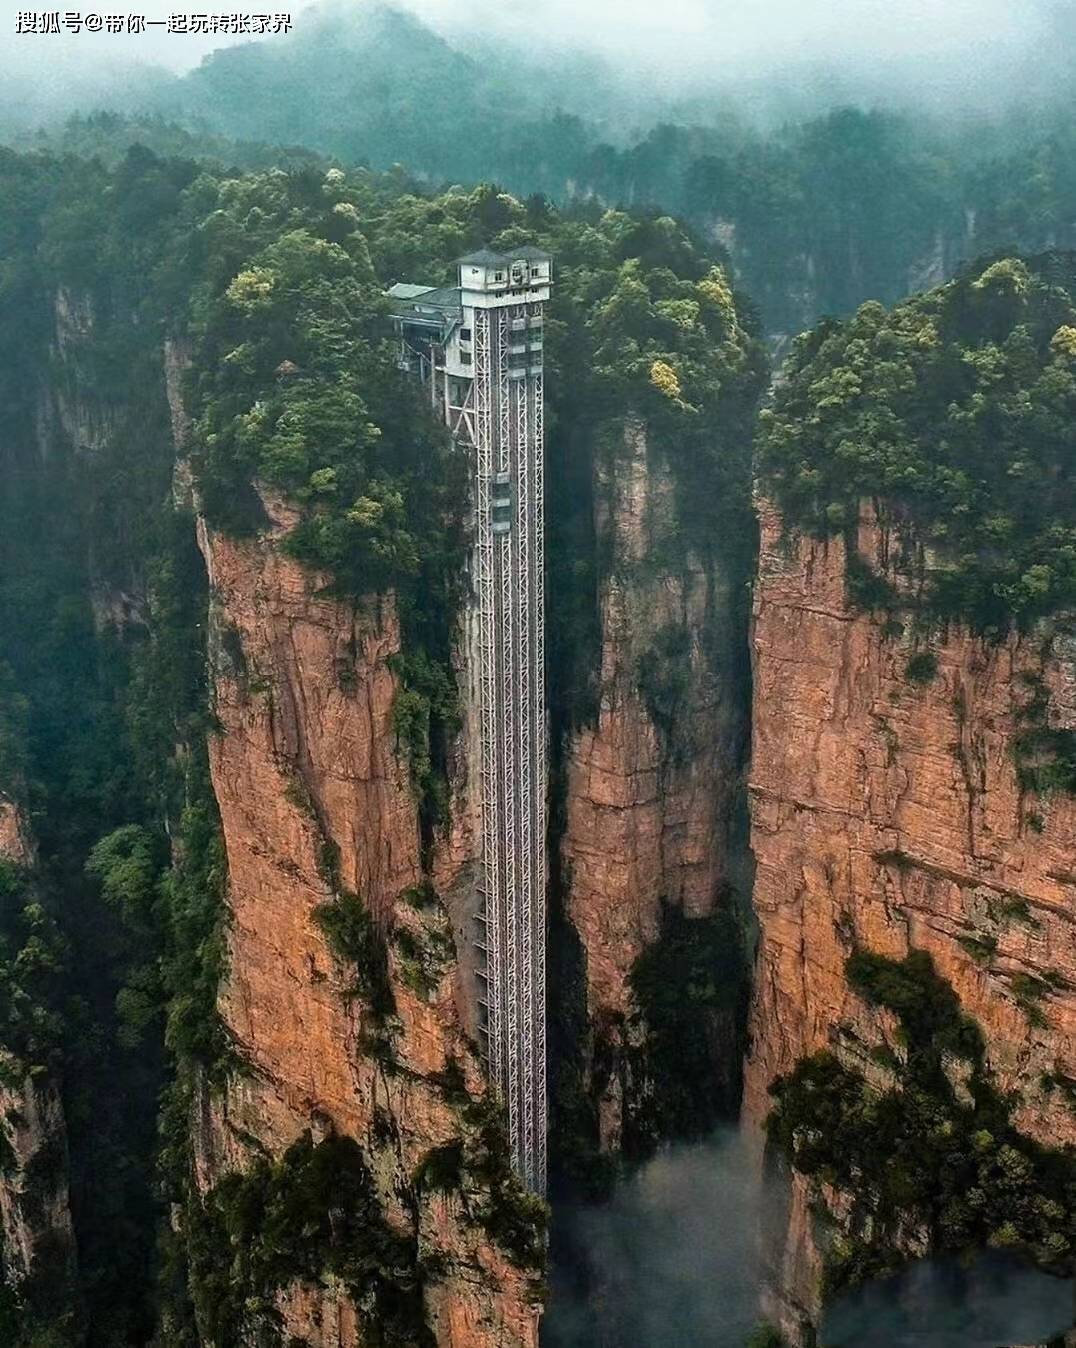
(310,1216)
(690,989)
(33,956)
(955,413)
(1045,753)
(476,1166)
(932,1158)
(313,1217)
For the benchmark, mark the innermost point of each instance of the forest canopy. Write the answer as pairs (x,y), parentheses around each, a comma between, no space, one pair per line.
(956,412)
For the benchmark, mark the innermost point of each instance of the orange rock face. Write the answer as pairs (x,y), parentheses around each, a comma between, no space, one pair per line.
(647,815)
(15,844)
(305,757)
(888,814)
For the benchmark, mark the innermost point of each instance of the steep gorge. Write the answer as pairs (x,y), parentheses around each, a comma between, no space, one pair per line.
(243,651)
(652,843)
(308,689)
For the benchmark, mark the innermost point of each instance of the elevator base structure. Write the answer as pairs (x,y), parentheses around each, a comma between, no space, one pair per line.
(479,349)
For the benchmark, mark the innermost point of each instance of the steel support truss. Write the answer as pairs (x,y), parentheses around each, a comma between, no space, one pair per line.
(505,409)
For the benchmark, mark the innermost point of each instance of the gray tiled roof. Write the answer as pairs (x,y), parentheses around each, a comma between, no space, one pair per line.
(486,257)
(407,290)
(444,297)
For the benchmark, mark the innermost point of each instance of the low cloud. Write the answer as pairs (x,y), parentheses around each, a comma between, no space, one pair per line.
(669,1262)
(673,1262)
(962,52)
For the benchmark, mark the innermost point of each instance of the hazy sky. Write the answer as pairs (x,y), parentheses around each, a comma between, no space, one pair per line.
(734,30)
(719,32)
(958,49)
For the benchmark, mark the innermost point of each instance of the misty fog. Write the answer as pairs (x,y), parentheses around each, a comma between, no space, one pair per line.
(969,51)
(687,58)
(785,59)
(669,1261)
(672,1262)
(995,1298)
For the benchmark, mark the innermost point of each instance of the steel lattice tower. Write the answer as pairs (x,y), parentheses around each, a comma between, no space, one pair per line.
(486,373)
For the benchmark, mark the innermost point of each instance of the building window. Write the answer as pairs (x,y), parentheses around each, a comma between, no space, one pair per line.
(465,358)
(534,271)
(498,275)
(465,334)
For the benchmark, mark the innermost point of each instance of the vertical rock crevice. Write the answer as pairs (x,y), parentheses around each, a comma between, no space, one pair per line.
(651,844)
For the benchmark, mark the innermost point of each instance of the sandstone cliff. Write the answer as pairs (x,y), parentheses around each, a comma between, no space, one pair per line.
(37,1249)
(652,783)
(888,813)
(316,804)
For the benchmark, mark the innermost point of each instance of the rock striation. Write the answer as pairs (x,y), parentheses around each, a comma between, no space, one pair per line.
(888,812)
(652,783)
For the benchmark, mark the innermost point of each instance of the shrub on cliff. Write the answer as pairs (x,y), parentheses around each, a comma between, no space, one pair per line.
(353,936)
(312,1215)
(690,989)
(513,1216)
(33,958)
(955,411)
(766,1336)
(922,1155)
